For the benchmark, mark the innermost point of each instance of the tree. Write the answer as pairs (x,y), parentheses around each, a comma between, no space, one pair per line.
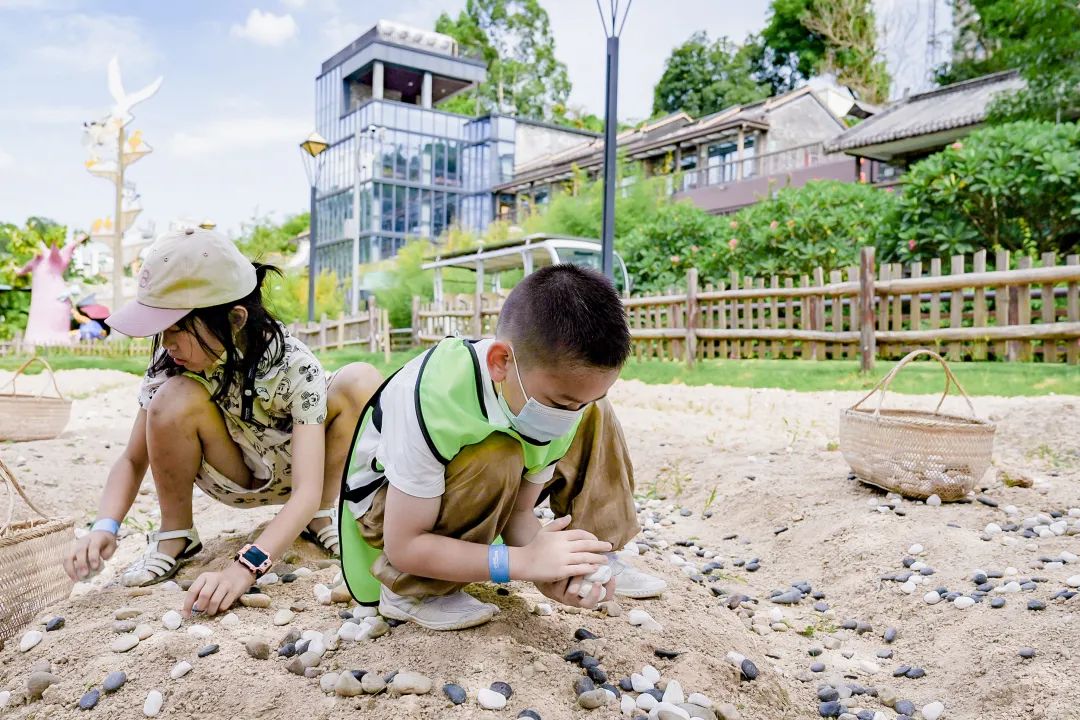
(264,238)
(514,39)
(814,37)
(702,77)
(1040,38)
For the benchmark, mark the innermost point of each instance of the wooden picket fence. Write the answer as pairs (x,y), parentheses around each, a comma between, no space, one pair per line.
(128,347)
(369,330)
(1009,313)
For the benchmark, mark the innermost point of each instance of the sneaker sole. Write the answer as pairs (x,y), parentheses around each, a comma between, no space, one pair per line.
(395,614)
(639,594)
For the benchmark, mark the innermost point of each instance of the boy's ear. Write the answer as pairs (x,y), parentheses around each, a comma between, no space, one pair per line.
(498,361)
(238,317)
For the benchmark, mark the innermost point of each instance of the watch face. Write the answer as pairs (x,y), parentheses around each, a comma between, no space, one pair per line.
(255,556)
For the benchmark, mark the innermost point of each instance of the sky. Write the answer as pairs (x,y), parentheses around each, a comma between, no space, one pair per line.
(238,91)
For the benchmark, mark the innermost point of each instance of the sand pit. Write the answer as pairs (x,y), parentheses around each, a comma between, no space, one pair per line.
(759,462)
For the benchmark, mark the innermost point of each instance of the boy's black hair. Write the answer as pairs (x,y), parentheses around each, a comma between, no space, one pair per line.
(261,332)
(566,314)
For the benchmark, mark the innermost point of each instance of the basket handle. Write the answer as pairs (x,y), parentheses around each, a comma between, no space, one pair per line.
(12,485)
(884,383)
(22,368)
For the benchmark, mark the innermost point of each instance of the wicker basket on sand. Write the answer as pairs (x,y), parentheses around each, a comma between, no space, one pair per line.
(913,452)
(26,417)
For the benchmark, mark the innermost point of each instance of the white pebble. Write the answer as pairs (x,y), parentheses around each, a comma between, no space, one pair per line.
(640,683)
(284,616)
(963,602)
(348,631)
(776,615)
(933,711)
(627,704)
(180,669)
(631,548)
(637,616)
(268,579)
(932,598)
(732,657)
(676,560)
(646,702)
(152,706)
(700,700)
(490,700)
(30,640)
(170,586)
(1011,587)
(917,566)
(673,693)
(302,571)
(317,645)
(1074,512)
(992,529)
(5,698)
(364,611)
(172,620)
(653,675)
(1010,571)
(1010,509)
(667,711)
(915,549)
(1074,581)
(322,594)
(1067,557)
(230,620)
(200,631)
(908,587)
(543,609)
(933,501)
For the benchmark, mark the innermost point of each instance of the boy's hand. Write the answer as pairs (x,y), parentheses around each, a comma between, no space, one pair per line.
(214,592)
(560,591)
(89,554)
(558,554)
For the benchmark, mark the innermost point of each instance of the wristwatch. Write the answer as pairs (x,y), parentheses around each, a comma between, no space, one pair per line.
(254,559)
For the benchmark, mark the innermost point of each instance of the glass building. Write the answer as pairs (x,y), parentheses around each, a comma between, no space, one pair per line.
(397,167)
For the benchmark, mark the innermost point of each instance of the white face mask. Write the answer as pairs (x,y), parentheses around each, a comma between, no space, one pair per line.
(536,420)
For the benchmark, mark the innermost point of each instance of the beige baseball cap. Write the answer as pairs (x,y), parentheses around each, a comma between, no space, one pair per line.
(184,270)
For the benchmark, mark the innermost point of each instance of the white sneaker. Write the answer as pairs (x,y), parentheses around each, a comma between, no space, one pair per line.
(437,612)
(633,583)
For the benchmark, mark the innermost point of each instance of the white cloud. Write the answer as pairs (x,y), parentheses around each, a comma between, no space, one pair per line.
(230,134)
(266,28)
(339,32)
(85,43)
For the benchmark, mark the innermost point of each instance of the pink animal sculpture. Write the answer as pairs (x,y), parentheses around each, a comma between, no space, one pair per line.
(50,313)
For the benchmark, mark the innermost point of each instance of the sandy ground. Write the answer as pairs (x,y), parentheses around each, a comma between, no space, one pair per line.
(763,458)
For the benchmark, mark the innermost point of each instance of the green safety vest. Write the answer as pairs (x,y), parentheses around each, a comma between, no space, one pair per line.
(450,407)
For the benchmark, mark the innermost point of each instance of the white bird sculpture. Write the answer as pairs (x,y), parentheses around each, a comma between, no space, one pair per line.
(121,112)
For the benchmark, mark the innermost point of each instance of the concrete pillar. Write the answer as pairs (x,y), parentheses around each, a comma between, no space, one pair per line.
(739,155)
(425,92)
(377,80)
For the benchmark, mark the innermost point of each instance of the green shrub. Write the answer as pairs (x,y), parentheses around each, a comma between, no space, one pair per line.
(677,236)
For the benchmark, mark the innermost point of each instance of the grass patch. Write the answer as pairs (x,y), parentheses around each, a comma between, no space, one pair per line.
(978,378)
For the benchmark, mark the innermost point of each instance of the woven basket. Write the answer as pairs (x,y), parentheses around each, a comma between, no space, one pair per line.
(31,561)
(33,417)
(916,453)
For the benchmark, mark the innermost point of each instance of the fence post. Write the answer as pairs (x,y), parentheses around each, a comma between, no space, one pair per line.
(691,315)
(373,322)
(341,330)
(867,337)
(322,331)
(416,320)
(385,316)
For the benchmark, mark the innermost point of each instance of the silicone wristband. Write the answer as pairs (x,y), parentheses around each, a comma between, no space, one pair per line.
(499,563)
(106,525)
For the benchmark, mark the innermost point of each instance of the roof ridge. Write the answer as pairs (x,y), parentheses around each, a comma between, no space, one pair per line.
(964,84)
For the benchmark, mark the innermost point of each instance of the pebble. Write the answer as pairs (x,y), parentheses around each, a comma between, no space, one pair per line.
(55,623)
(154,701)
(502,688)
(1027,653)
(347,685)
(411,683)
(200,631)
(646,702)
(748,669)
(172,620)
(5,698)
(998,602)
(180,669)
(904,707)
(208,650)
(727,711)
(529,713)
(640,683)
(284,616)
(915,673)
(373,684)
(328,681)
(39,682)
(933,501)
(653,675)
(30,640)
(255,600)
(491,700)
(890,634)
(455,693)
(667,711)
(932,598)
(90,699)
(933,710)
(583,685)
(830,709)
(1036,605)
(817,667)
(127,613)
(673,693)
(821,606)
(114,681)
(124,643)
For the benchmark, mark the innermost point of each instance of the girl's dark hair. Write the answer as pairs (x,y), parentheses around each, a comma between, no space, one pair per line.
(262,331)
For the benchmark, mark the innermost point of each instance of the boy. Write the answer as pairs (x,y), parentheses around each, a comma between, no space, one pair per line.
(460,445)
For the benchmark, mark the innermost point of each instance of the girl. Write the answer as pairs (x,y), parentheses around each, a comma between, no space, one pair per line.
(230,403)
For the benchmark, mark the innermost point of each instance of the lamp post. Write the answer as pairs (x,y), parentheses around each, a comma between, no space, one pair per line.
(611,122)
(310,150)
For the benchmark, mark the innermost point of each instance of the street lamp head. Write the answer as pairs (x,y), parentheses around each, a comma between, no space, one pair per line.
(314,145)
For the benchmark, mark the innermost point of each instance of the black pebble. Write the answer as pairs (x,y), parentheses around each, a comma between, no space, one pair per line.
(686,512)
(254,590)
(865,715)
(817,667)
(208,650)
(529,713)
(830,709)
(455,693)
(998,602)
(583,685)
(597,675)
(656,694)
(666,654)
(904,707)
(1036,605)
(828,694)
(909,561)
(890,634)
(752,567)
(288,578)
(390,678)
(979,578)
(574,656)
(612,689)
(589,662)
(626,685)
(901,671)
(287,650)
(583,634)
(114,681)
(502,688)
(749,670)
(502,591)
(55,624)
(915,673)
(358,674)
(90,699)
(779,530)
(986,501)
(345,615)
(394,622)
(302,646)
(814,651)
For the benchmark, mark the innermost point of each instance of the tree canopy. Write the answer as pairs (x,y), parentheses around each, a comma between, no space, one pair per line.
(702,77)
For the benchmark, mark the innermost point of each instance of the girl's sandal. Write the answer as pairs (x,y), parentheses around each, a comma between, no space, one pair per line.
(154,566)
(326,537)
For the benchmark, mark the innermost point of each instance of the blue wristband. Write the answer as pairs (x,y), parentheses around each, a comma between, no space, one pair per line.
(499,563)
(106,525)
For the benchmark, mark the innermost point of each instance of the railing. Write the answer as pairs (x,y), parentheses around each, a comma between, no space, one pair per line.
(772,163)
(368,330)
(88,348)
(867,312)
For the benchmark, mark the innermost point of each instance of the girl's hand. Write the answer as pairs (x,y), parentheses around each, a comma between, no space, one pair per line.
(560,591)
(557,554)
(89,554)
(214,592)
